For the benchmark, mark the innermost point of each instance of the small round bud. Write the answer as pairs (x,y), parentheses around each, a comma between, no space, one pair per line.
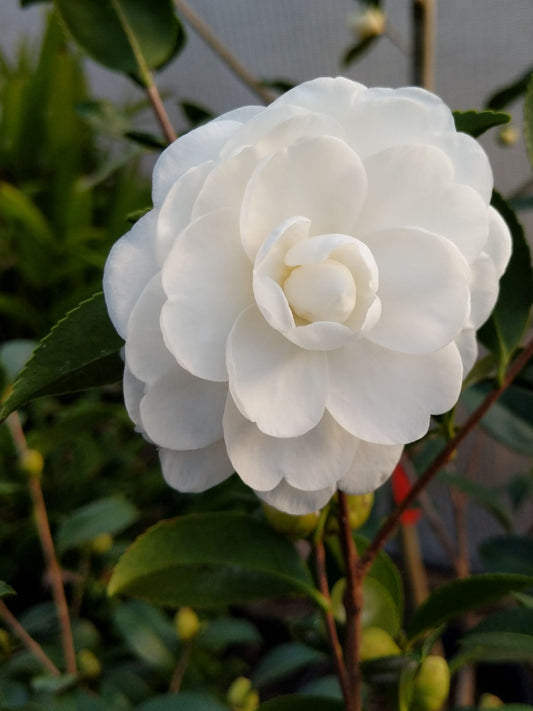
(241,696)
(376,643)
(294,527)
(368,23)
(102,543)
(187,624)
(89,664)
(431,685)
(490,701)
(508,135)
(359,508)
(32,462)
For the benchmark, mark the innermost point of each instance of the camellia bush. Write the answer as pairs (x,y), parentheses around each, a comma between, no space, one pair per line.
(323,300)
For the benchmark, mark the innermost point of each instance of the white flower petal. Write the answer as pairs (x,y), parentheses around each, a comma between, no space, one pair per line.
(470,162)
(423,287)
(318,178)
(146,354)
(192,149)
(371,466)
(180,411)
(413,186)
(240,114)
(208,281)
(175,213)
(483,290)
(499,243)
(335,96)
(316,460)
(133,394)
(278,386)
(197,470)
(295,501)
(467,344)
(385,397)
(129,267)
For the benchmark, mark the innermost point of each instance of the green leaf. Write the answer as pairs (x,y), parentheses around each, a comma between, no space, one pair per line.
(504,330)
(516,619)
(327,686)
(302,702)
(14,355)
(194,113)
(459,596)
(357,50)
(109,515)
(504,707)
(494,647)
(148,633)
(80,352)
(6,589)
(528,119)
(476,123)
(228,631)
(184,701)
(284,660)
(125,35)
(489,499)
(171,563)
(513,91)
(507,554)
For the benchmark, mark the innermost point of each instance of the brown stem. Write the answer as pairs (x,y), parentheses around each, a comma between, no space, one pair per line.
(424,43)
(47,544)
(320,562)
(392,521)
(220,49)
(30,644)
(161,112)
(353,603)
(181,668)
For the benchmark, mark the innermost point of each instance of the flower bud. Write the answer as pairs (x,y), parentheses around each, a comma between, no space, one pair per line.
(508,135)
(490,701)
(431,685)
(102,543)
(241,696)
(359,508)
(187,624)
(294,527)
(89,664)
(375,643)
(32,462)
(369,23)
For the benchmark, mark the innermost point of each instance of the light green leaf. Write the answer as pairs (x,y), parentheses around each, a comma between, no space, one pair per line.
(528,119)
(459,596)
(507,554)
(109,515)
(284,660)
(301,702)
(6,589)
(476,123)
(147,632)
(129,36)
(80,352)
(207,560)
(503,332)
(184,701)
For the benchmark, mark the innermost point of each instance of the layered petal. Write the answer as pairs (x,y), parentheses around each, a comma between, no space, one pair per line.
(498,245)
(296,501)
(280,387)
(371,466)
(208,282)
(385,397)
(195,471)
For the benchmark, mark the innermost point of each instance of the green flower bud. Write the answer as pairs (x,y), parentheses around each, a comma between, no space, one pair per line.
(32,462)
(369,23)
(375,643)
(89,664)
(359,508)
(490,701)
(431,685)
(241,696)
(187,624)
(102,543)
(294,527)
(508,135)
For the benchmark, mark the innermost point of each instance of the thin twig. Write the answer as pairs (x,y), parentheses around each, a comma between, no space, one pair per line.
(424,43)
(390,524)
(28,641)
(320,562)
(160,112)
(47,544)
(181,668)
(220,49)
(353,604)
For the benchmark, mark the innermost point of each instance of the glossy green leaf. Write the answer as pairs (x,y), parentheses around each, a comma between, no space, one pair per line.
(224,632)
(515,619)
(503,97)
(80,352)
(507,554)
(476,123)
(207,560)
(301,702)
(284,660)
(528,119)
(459,596)
(489,499)
(109,515)
(124,35)
(184,701)
(6,589)
(503,332)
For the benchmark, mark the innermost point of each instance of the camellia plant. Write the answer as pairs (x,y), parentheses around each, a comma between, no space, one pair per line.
(300,305)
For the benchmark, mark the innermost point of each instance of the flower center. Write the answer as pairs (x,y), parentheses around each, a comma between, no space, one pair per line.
(321,292)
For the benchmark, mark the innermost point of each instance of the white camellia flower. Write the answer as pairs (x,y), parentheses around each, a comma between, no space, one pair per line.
(305,292)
